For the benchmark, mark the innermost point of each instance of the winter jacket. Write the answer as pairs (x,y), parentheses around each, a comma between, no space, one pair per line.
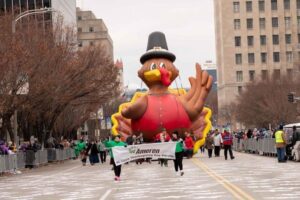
(189,143)
(209,142)
(218,140)
(227,138)
(110,144)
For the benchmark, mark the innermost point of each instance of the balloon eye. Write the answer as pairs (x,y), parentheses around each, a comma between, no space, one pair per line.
(153,66)
(162,65)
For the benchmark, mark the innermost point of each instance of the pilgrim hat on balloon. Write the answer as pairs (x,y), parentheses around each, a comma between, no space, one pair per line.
(157,48)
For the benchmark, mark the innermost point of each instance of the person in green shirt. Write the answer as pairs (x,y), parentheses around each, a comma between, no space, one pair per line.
(114,143)
(80,148)
(178,153)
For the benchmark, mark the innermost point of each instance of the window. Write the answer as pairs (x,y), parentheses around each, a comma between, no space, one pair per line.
(237,41)
(251,75)
(276,57)
(287,22)
(264,74)
(91,29)
(238,59)
(276,73)
(249,23)
(249,6)
(239,76)
(79,44)
(262,23)
(240,89)
(91,43)
(263,40)
(274,22)
(79,18)
(274,4)
(289,56)
(237,24)
(79,29)
(261,5)
(236,7)
(275,39)
(287,4)
(288,38)
(298,4)
(251,58)
(250,40)
(263,57)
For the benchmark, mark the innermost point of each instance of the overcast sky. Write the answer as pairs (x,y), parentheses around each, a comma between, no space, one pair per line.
(188,26)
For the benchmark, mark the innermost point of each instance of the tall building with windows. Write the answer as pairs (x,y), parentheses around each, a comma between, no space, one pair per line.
(92,31)
(255,40)
(65,8)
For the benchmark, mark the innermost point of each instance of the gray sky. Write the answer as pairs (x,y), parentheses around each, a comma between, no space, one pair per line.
(188,25)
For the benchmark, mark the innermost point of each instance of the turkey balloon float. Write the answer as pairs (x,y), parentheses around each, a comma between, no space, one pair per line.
(162,107)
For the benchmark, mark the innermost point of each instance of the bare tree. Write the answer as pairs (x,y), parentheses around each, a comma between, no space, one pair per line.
(60,80)
(265,102)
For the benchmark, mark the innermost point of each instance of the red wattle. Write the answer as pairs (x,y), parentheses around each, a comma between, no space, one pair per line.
(165,76)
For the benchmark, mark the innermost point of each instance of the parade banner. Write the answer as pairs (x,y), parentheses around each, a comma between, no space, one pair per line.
(154,150)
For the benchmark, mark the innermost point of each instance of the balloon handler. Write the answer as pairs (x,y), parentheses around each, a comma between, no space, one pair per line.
(162,107)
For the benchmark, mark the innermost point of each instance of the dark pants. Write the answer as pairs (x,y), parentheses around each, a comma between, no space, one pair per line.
(217,151)
(281,154)
(189,153)
(117,169)
(178,161)
(103,156)
(226,149)
(209,152)
(163,162)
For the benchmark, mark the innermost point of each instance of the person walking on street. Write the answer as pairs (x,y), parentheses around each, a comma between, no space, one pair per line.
(81,149)
(102,150)
(93,152)
(164,137)
(189,145)
(280,144)
(209,144)
(178,153)
(217,142)
(227,141)
(114,143)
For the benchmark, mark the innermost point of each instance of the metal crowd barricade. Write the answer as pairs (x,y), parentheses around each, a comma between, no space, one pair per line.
(2,163)
(41,157)
(30,158)
(60,155)
(51,155)
(265,146)
(21,160)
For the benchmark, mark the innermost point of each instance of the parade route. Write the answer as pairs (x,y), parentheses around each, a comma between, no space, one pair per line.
(246,177)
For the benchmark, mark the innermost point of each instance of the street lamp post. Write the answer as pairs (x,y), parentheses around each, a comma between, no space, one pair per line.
(14,21)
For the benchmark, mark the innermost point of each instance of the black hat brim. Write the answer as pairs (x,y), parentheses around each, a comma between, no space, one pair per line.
(157,54)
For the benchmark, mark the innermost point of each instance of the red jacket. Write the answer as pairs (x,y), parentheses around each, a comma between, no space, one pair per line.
(227,138)
(189,143)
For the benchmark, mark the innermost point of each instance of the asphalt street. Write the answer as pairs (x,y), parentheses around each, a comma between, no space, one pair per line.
(246,177)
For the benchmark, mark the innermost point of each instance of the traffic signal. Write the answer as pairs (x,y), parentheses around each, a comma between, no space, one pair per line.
(291,97)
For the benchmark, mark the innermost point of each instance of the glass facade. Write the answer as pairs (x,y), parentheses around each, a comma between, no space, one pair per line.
(22,5)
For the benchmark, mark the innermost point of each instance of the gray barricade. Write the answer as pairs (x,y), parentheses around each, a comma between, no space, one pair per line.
(265,146)
(51,155)
(31,158)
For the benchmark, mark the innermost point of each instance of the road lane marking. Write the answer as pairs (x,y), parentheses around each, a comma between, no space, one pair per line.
(105,194)
(233,189)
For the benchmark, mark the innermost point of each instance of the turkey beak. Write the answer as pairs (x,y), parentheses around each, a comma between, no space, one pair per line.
(153,75)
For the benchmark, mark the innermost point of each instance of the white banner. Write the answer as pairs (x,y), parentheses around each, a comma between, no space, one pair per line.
(154,150)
